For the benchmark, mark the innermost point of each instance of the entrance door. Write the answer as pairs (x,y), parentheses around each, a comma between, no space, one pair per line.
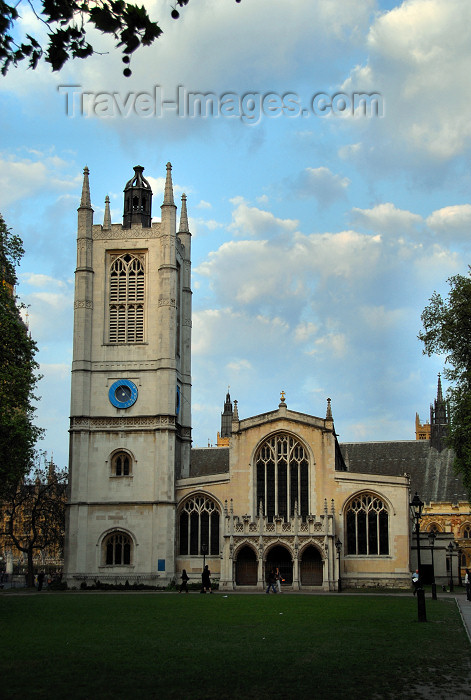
(312,567)
(280,557)
(246,567)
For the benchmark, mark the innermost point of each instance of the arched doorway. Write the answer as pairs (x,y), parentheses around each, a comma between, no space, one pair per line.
(280,557)
(246,567)
(311,568)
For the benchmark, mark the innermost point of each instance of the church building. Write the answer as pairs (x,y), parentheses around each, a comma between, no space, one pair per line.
(278,490)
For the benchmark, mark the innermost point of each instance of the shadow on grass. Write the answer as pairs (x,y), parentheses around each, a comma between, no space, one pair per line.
(230,646)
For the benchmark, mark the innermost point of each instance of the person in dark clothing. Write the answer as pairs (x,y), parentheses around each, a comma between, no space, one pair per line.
(40,580)
(206,580)
(184,582)
(271,580)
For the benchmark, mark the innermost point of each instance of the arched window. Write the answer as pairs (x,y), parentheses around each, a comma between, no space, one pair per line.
(467,532)
(126,299)
(367,525)
(199,526)
(281,465)
(433,528)
(117,549)
(121,464)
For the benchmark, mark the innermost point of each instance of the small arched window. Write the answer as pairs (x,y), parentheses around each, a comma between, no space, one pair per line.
(117,549)
(467,532)
(121,464)
(367,526)
(199,526)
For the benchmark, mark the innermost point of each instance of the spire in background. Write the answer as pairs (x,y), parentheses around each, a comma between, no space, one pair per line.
(107,216)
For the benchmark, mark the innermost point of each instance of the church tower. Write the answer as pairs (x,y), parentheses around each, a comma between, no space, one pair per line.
(439,420)
(130,425)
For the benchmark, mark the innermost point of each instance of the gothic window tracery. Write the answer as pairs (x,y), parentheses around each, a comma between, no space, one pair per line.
(121,464)
(126,299)
(367,526)
(117,549)
(199,526)
(281,465)
(467,532)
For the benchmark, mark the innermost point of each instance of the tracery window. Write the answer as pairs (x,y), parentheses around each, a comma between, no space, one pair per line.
(281,465)
(367,525)
(117,549)
(121,464)
(126,299)
(199,525)
(467,532)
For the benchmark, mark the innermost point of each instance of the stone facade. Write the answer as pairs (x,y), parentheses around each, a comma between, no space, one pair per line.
(279,491)
(130,425)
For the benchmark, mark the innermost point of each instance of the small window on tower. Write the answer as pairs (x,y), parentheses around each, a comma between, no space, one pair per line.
(121,464)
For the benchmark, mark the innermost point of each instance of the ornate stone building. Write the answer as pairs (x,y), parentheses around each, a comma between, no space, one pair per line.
(278,490)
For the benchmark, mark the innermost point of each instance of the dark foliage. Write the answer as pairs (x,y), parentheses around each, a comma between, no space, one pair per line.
(18,371)
(68,23)
(447,331)
(35,514)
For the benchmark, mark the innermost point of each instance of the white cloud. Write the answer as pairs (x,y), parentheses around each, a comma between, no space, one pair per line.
(257,223)
(451,222)
(322,184)
(419,60)
(387,219)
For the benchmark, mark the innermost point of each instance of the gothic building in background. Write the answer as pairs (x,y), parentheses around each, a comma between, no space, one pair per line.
(278,490)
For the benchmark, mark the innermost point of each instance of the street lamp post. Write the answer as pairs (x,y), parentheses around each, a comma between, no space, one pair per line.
(204,551)
(450,554)
(431,538)
(338,547)
(459,552)
(416,506)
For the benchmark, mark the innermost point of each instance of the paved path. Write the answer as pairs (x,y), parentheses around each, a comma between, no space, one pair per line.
(464,607)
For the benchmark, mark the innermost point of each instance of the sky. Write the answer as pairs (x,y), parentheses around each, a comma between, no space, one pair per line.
(322,221)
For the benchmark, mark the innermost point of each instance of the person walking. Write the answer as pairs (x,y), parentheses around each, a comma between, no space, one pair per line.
(467,583)
(206,580)
(279,579)
(185,579)
(271,580)
(415,580)
(40,580)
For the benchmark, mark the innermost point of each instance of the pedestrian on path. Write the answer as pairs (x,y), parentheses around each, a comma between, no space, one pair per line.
(271,580)
(185,579)
(467,583)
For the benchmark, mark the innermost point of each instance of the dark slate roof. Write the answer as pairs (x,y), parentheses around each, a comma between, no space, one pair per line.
(431,472)
(206,461)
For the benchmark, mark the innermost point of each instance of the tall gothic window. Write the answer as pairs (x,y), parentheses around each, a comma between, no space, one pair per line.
(367,524)
(281,464)
(199,525)
(117,549)
(467,532)
(126,299)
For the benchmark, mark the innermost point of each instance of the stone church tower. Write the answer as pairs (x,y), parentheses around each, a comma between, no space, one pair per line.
(130,425)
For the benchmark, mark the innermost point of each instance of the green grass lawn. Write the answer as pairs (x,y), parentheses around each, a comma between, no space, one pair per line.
(90,645)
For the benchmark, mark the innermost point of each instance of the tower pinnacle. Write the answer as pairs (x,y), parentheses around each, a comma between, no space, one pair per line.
(168,194)
(85,202)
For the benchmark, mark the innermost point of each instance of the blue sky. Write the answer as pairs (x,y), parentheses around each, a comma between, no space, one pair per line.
(317,239)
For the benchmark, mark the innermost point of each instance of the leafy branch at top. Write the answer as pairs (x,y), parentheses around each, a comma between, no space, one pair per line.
(67,22)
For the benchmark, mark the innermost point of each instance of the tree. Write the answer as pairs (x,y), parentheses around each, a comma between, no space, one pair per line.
(34,514)
(447,330)
(68,25)
(18,377)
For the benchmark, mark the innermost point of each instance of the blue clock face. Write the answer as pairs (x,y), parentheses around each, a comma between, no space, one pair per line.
(123,393)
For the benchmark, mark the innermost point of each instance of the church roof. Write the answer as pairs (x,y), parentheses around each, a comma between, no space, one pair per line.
(206,461)
(431,472)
